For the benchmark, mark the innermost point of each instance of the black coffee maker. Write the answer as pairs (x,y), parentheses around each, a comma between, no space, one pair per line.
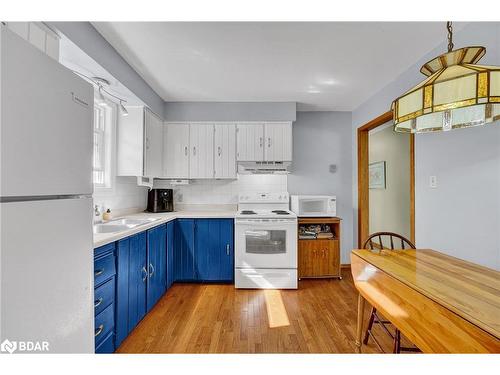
(161,200)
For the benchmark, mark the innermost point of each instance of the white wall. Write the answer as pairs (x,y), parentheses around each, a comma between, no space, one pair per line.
(222,192)
(472,243)
(321,139)
(390,207)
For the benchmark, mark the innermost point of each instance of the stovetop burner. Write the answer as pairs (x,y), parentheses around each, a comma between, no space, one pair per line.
(248,212)
(280,212)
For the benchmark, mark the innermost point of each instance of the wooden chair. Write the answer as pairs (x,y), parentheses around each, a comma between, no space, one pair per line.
(386,241)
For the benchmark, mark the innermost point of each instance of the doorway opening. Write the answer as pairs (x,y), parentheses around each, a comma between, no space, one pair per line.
(386,180)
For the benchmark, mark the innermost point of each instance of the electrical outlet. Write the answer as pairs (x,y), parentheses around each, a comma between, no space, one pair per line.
(433,182)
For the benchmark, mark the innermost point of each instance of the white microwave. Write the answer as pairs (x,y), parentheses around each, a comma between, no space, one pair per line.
(314,205)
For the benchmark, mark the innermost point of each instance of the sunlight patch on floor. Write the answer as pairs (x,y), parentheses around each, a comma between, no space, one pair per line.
(276,312)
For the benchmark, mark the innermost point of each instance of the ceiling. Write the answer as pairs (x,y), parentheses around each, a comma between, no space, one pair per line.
(322,66)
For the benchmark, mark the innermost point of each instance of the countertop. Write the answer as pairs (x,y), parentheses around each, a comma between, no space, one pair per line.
(101,239)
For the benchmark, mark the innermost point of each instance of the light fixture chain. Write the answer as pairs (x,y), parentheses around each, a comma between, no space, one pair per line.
(450,36)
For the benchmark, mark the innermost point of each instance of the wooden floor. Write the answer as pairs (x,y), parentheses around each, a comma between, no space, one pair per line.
(319,317)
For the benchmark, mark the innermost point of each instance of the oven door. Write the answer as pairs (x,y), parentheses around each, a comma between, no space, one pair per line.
(266,243)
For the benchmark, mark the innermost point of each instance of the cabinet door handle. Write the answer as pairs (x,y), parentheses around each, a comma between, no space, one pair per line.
(98,272)
(97,302)
(269,142)
(147,143)
(194,150)
(145,271)
(186,150)
(261,142)
(219,150)
(99,330)
(227,249)
(151,270)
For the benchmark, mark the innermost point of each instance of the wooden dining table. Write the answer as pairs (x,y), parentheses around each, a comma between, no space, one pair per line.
(440,303)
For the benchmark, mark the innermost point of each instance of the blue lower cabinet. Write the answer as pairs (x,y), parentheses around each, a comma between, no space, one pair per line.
(107,346)
(104,324)
(170,254)
(157,264)
(131,285)
(226,245)
(214,249)
(184,250)
(104,298)
(204,250)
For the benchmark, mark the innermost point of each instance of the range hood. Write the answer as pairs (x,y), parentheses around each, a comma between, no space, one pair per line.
(264,167)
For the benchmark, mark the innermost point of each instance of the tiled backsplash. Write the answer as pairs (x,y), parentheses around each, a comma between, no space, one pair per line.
(224,191)
(125,195)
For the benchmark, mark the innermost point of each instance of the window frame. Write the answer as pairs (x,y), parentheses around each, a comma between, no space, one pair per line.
(109,150)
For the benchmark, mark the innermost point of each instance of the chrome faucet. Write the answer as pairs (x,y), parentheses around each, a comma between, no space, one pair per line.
(96,211)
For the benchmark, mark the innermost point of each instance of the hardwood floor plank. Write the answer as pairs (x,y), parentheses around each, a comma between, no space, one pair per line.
(319,317)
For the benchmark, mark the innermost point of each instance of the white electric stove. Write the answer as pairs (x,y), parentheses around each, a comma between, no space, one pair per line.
(265,242)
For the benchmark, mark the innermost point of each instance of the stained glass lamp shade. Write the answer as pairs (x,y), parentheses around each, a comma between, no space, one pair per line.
(456,94)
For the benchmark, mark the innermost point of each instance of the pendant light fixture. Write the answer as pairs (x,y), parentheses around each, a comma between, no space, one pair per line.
(457,93)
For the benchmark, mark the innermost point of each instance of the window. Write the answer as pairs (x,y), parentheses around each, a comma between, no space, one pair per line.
(103,145)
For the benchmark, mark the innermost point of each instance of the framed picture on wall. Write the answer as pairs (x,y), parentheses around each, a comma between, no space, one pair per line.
(377,175)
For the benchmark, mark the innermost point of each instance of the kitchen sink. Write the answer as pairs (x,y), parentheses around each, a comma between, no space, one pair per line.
(132,222)
(110,228)
(118,225)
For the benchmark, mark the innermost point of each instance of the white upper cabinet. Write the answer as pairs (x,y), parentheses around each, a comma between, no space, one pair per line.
(270,141)
(250,142)
(225,151)
(140,144)
(210,150)
(201,158)
(278,141)
(176,150)
(153,144)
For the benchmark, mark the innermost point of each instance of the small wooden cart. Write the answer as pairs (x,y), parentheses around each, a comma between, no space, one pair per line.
(320,258)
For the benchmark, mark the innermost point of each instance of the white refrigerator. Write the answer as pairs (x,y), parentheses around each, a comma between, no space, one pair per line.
(46,253)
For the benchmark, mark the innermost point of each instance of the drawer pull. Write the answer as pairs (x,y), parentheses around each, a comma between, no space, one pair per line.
(145,271)
(99,330)
(227,249)
(98,272)
(97,302)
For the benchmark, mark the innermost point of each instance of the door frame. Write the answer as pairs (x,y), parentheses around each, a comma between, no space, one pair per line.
(363,176)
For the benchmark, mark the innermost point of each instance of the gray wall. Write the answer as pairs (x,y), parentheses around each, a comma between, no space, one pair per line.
(460,217)
(321,139)
(439,154)
(85,36)
(230,111)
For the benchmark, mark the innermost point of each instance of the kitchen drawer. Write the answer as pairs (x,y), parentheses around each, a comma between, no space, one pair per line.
(107,345)
(110,247)
(104,268)
(104,296)
(104,324)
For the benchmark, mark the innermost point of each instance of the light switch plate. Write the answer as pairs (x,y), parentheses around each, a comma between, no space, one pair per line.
(433,182)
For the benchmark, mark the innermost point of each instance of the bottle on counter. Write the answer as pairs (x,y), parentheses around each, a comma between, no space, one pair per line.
(107,215)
